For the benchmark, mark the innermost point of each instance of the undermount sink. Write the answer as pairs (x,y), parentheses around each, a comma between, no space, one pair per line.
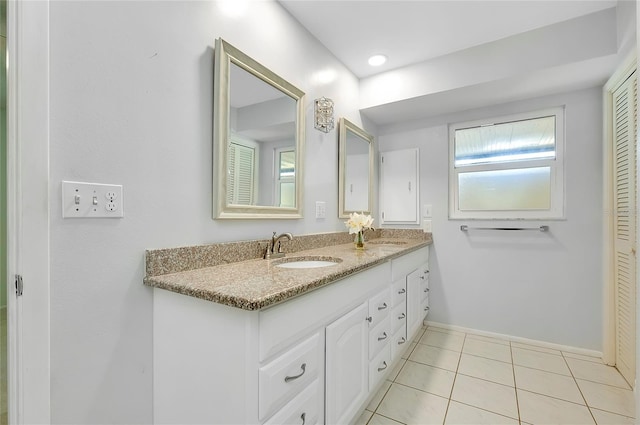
(387,242)
(307,262)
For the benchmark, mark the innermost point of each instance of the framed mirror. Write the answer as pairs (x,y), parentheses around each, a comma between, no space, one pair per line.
(355,171)
(258,140)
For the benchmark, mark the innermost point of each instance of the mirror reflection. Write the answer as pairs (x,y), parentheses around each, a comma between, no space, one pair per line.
(258,139)
(355,170)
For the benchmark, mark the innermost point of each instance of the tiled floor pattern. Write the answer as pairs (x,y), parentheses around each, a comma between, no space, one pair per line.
(451,377)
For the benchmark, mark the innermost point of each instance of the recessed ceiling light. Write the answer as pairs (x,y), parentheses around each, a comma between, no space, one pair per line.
(377,60)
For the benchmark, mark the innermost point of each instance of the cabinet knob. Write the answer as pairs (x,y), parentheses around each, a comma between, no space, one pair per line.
(303,417)
(384,336)
(402,291)
(402,340)
(382,307)
(426,308)
(384,366)
(426,289)
(303,366)
(402,316)
(369,319)
(422,277)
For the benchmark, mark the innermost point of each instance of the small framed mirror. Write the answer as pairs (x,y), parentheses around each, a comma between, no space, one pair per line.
(355,171)
(258,140)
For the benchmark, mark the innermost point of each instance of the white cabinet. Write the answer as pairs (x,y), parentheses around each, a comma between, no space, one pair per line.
(346,370)
(314,359)
(399,177)
(281,379)
(417,297)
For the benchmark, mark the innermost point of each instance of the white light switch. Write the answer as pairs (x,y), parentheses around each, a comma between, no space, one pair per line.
(427,210)
(91,200)
(321,209)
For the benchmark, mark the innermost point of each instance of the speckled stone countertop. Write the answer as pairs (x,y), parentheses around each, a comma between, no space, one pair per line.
(256,283)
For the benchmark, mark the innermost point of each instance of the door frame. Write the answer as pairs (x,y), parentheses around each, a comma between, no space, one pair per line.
(28,211)
(623,72)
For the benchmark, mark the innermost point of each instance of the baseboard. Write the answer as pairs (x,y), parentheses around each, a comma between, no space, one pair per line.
(567,348)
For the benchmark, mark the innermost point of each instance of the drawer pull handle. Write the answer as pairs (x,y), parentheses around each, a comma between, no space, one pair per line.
(303,417)
(382,307)
(402,316)
(426,308)
(426,289)
(384,336)
(402,340)
(426,272)
(402,291)
(303,366)
(380,369)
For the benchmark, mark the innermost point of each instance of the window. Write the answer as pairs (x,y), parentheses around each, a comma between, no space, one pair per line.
(508,168)
(286,177)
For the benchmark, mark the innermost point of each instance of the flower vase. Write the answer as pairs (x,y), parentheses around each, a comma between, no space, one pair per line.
(359,240)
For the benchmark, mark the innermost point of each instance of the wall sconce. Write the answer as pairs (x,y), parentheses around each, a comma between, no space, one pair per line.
(323,114)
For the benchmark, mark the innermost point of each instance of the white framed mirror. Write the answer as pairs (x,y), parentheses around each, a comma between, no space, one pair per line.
(258,140)
(355,171)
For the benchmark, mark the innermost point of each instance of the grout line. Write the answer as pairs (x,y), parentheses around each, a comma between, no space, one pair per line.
(579,389)
(446,412)
(515,384)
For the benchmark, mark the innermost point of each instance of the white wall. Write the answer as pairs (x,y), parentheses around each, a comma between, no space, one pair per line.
(131,103)
(534,285)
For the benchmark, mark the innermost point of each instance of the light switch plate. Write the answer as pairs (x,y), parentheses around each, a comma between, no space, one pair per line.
(426,226)
(92,200)
(427,210)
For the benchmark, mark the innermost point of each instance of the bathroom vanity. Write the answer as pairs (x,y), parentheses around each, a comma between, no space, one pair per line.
(255,342)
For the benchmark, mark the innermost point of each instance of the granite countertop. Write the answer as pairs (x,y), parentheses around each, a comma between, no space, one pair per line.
(257,283)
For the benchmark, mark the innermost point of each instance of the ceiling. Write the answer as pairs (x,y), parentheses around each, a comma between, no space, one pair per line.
(421,35)
(413,31)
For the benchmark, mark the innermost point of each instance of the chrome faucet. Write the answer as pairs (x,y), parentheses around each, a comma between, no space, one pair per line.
(271,247)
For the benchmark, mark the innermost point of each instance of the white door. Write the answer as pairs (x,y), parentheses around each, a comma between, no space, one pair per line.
(624,225)
(346,365)
(399,186)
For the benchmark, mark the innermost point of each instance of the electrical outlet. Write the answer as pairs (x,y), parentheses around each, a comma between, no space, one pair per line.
(321,209)
(91,200)
(426,226)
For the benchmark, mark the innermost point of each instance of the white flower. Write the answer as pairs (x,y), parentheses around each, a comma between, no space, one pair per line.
(358,222)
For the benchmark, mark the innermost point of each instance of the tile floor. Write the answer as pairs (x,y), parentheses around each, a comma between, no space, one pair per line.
(451,377)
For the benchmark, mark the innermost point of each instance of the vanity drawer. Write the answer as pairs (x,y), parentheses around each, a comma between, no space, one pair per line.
(379,307)
(399,317)
(399,343)
(288,374)
(399,291)
(379,337)
(306,408)
(424,305)
(379,366)
(424,289)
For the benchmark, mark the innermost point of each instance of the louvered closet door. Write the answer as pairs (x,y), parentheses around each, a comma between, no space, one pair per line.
(241,176)
(624,198)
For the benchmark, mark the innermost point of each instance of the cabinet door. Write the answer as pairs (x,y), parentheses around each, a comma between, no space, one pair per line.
(346,365)
(414,299)
(399,186)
